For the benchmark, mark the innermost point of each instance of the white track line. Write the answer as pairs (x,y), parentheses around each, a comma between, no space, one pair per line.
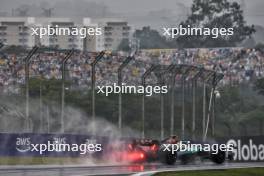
(211,167)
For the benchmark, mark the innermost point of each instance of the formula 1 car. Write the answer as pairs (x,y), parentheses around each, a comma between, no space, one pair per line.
(124,152)
(163,151)
(197,151)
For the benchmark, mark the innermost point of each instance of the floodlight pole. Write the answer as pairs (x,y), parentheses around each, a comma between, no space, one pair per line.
(213,115)
(40,107)
(175,71)
(122,66)
(96,60)
(204,107)
(183,101)
(162,82)
(215,80)
(143,78)
(27,63)
(205,80)
(162,113)
(172,103)
(161,78)
(64,62)
(183,109)
(194,84)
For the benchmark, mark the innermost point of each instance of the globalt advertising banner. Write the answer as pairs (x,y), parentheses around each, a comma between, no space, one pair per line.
(247,149)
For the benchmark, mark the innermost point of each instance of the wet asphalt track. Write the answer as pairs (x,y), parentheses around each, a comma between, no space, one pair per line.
(136,170)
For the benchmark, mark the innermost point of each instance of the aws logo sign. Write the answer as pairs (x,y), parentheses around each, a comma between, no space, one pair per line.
(247,150)
(58,140)
(23,144)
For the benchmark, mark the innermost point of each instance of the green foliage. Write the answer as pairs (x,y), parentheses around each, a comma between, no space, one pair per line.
(124,45)
(231,172)
(151,39)
(216,14)
(237,105)
(259,86)
(260,47)
(14,49)
(50,90)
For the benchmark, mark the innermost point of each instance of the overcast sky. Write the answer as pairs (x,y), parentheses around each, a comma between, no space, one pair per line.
(137,12)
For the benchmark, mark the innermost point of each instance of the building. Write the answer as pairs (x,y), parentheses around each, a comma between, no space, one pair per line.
(115,32)
(16,31)
(66,41)
(19,31)
(92,43)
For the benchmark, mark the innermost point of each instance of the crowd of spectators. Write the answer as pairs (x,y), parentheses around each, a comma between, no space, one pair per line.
(239,65)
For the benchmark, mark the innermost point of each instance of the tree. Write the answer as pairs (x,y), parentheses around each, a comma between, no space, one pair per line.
(50,88)
(259,86)
(124,45)
(215,14)
(260,47)
(151,39)
(14,49)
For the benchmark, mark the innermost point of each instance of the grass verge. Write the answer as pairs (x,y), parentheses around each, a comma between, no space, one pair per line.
(226,172)
(40,160)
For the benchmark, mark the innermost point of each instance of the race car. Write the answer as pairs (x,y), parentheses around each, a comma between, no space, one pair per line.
(198,152)
(148,150)
(162,151)
(149,147)
(124,152)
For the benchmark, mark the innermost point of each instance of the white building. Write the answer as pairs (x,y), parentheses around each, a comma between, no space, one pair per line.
(92,42)
(16,31)
(113,32)
(59,41)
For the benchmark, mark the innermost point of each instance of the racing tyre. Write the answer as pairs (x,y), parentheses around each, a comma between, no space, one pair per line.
(185,159)
(167,157)
(218,158)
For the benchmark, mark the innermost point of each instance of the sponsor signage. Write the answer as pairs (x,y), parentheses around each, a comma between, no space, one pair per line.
(23,144)
(246,149)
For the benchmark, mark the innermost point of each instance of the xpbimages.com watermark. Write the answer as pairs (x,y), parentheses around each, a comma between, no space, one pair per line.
(187,146)
(130,89)
(196,31)
(56,30)
(52,146)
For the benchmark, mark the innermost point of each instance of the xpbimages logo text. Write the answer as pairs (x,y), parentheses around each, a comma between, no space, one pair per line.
(132,89)
(187,146)
(56,30)
(173,32)
(57,145)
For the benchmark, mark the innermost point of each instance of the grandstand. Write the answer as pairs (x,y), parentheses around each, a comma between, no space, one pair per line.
(239,65)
